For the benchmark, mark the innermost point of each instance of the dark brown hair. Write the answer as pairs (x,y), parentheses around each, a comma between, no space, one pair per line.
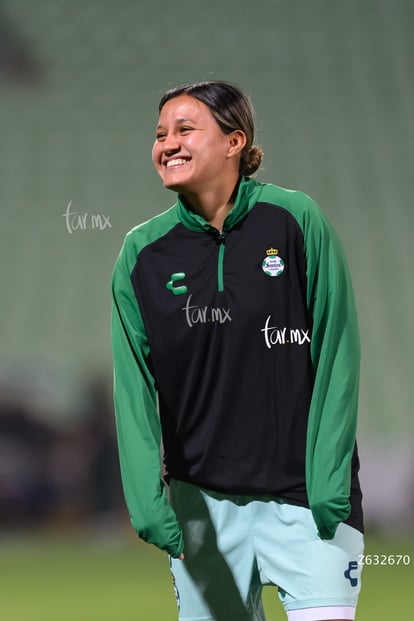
(231,109)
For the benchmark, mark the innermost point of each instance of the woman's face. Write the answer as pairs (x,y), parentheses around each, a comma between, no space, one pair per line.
(191,153)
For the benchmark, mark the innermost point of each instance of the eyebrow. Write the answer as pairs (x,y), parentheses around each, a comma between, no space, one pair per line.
(181,120)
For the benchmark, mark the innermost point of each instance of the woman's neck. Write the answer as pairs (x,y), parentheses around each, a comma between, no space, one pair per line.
(213,205)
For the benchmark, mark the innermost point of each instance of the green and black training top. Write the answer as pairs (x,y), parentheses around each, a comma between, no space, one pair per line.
(239,349)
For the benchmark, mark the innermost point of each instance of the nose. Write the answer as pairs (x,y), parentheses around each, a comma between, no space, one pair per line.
(170,145)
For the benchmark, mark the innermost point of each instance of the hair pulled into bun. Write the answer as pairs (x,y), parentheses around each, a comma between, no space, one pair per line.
(250,160)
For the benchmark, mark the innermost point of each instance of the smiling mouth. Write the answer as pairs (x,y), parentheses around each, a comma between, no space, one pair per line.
(176,162)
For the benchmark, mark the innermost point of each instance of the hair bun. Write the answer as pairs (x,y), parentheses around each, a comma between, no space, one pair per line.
(250,162)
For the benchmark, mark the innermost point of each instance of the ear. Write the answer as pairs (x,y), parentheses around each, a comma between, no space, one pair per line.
(236,143)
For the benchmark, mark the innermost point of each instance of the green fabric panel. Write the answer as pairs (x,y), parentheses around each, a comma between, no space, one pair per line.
(335,352)
(138,425)
(220,266)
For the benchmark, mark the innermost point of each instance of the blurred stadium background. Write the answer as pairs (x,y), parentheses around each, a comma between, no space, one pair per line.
(333,88)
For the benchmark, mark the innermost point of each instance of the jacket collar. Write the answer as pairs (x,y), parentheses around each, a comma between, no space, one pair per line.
(247,195)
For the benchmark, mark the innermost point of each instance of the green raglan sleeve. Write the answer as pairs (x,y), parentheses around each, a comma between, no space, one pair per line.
(335,351)
(137,421)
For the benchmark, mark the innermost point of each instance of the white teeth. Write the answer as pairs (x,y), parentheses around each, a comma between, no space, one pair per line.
(177,162)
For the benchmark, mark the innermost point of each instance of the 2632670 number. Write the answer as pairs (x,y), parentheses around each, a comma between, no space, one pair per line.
(384,559)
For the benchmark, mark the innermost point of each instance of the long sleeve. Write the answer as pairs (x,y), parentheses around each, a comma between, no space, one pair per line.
(137,421)
(335,352)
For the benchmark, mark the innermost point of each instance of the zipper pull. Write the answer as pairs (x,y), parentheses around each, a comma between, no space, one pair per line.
(222,237)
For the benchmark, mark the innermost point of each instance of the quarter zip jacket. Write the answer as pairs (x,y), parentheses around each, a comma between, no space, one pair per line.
(240,350)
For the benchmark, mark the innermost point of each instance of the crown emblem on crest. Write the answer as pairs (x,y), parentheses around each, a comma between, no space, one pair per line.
(272,252)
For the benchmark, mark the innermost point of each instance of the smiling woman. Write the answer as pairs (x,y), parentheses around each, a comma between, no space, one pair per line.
(235,339)
(231,110)
(203,143)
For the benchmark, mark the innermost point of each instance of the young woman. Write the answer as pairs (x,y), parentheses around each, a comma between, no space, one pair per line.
(235,341)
